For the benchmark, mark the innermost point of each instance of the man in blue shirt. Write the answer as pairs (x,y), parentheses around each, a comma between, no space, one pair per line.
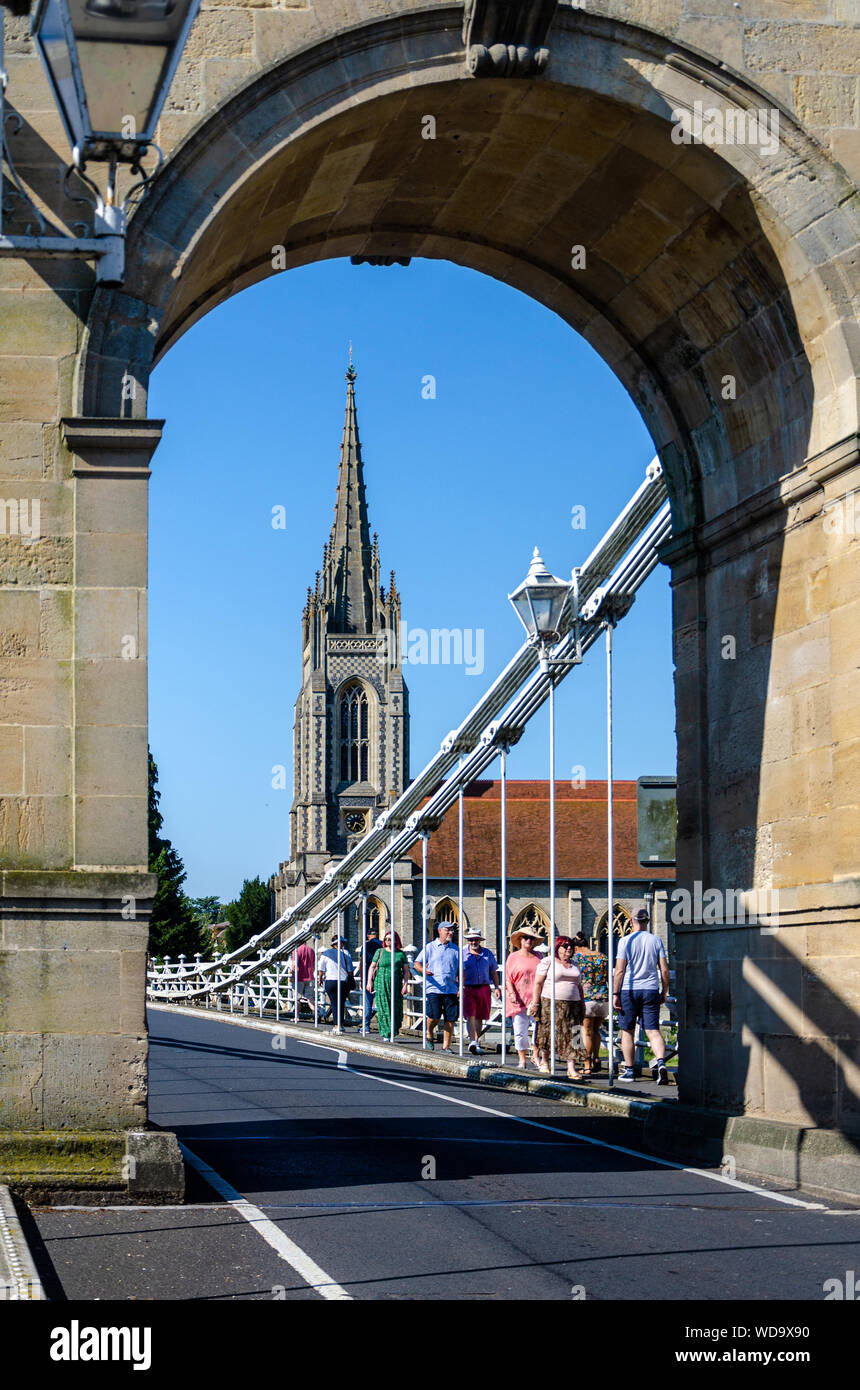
(442,970)
(480,967)
(640,986)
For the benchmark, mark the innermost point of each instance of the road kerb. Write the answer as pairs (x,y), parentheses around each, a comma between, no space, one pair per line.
(19,1279)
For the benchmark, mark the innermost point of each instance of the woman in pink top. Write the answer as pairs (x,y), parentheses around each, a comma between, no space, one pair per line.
(520,969)
(569,1008)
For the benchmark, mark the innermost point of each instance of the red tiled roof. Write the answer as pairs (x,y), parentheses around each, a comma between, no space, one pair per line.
(580,815)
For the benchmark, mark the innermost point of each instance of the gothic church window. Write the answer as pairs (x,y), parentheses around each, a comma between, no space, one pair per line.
(622,924)
(446,911)
(354,734)
(532,917)
(375,916)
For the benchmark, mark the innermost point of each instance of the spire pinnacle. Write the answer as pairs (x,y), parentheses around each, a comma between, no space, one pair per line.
(350,552)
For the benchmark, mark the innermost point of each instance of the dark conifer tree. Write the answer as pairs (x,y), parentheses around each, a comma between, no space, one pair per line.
(173,927)
(250,914)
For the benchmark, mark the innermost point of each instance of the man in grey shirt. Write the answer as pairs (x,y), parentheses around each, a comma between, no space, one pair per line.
(640,986)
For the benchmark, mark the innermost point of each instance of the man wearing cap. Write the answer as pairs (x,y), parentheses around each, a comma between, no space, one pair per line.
(480,967)
(520,970)
(441,965)
(640,986)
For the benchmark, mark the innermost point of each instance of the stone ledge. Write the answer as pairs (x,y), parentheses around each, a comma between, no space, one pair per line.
(108,448)
(38,1164)
(117,1166)
(39,884)
(822,1162)
(155,1167)
(838,458)
(723,536)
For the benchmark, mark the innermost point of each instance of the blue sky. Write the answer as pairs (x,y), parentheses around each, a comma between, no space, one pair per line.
(527,424)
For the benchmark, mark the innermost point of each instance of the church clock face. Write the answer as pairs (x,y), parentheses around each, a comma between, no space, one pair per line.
(355,822)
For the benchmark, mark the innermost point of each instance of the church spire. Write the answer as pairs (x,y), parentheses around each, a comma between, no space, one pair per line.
(350,559)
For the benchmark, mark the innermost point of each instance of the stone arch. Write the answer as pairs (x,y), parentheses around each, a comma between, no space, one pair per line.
(721,289)
(377,917)
(277,165)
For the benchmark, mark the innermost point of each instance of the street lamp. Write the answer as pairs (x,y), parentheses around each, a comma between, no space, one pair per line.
(540,602)
(649,895)
(546,607)
(109,64)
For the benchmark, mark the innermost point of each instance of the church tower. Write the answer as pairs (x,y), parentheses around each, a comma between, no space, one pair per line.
(351,725)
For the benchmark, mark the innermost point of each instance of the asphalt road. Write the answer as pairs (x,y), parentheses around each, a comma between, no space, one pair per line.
(343,1176)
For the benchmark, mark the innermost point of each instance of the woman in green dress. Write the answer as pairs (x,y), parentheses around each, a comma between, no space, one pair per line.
(380,980)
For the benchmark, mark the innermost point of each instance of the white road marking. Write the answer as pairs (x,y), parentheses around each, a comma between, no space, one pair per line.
(295,1257)
(599,1143)
(341,1052)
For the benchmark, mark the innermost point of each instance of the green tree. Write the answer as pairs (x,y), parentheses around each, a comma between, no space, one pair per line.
(250,914)
(207,910)
(173,927)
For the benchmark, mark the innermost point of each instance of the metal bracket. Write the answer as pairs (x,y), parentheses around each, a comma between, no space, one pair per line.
(611,607)
(107,244)
(574,605)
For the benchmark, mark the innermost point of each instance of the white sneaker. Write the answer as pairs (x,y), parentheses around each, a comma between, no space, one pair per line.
(475,1049)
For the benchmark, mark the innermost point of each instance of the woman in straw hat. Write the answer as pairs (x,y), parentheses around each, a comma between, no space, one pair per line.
(520,970)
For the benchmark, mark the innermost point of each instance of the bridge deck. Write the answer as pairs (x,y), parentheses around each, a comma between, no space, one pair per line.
(319,1158)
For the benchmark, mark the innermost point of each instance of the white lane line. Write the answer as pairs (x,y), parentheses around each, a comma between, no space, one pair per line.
(341,1052)
(599,1143)
(295,1257)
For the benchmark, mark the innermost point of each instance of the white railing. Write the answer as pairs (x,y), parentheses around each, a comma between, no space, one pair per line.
(270,994)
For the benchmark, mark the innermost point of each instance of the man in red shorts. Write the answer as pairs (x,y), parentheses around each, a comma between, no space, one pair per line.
(480,968)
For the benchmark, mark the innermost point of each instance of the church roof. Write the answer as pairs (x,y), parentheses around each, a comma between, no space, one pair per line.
(580,833)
